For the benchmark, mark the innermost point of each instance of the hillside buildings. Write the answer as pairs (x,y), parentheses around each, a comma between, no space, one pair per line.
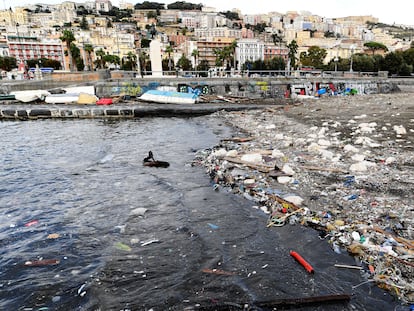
(35,33)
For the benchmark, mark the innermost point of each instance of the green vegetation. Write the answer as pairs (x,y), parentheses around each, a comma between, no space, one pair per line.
(7,63)
(314,57)
(375,46)
(184,6)
(147,5)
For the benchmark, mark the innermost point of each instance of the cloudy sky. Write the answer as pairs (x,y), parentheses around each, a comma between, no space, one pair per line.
(395,11)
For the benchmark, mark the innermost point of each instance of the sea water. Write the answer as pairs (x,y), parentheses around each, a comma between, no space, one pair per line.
(108,233)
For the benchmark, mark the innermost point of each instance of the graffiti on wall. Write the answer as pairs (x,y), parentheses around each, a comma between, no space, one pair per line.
(331,88)
(263,89)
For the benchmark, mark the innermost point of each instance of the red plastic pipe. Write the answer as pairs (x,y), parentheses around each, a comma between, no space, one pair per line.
(302,261)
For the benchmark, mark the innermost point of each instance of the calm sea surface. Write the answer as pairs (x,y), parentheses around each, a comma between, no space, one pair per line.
(84,226)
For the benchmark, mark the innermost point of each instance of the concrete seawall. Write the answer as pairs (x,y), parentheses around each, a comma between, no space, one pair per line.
(115,83)
(34,112)
(258,89)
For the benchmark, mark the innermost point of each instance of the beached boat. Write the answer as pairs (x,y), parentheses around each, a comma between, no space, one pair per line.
(71,98)
(7,97)
(30,96)
(65,98)
(169,97)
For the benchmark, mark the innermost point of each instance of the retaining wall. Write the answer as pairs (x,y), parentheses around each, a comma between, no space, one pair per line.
(33,112)
(110,83)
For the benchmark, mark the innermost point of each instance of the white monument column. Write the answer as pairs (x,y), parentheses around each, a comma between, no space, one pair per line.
(155,57)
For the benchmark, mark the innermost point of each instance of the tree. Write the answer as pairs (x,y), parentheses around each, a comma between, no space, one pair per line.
(329,34)
(145,62)
(76,56)
(184,6)
(111,59)
(88,48)
(392,63)
(7,63)
(184,63)
(293,49)
(195,54)
(203,68)
(68,38)
(231,15)
(169,50)
(147,5)
(84,24)
(132,60)
(100,58)
(314,57)
(232,48)
(408,55)
(275,63)
(277,38)
(375,46)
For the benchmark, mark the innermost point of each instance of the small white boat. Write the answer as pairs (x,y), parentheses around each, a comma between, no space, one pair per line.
(30,96)
(66,98)
(71,98)
(169,97)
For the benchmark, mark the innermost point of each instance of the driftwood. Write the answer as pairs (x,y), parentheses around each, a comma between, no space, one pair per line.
(409,244)
(260,168)
(238,139)
(285,302)
(277,303)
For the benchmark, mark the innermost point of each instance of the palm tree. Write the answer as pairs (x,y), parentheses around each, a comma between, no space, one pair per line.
(169,50)
(195,54)
(293,49)
(145,60)
(68,38)
(88,48)
(133,60)
(233,47)
(276,38)
(100,54)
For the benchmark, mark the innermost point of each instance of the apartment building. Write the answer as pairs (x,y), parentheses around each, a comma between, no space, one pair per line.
(249,50)
(217,32)
(24,48)
(206,49)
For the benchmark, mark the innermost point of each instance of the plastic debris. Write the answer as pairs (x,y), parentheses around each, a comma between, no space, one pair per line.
(53,236)
(42,262)
(31,223)
(354,178)
(213,226)
(302,261)
(145,243)
(123,247)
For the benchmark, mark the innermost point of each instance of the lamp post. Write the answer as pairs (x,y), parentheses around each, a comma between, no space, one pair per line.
(336,63)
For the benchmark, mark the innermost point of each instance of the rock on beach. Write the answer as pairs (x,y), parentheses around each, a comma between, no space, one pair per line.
(347,162)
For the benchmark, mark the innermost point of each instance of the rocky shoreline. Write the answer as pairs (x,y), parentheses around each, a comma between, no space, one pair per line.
(342,165)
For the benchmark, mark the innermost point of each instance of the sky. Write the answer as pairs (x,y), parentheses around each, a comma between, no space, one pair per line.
(395,11)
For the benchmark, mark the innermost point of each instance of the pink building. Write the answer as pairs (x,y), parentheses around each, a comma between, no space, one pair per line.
(24,48)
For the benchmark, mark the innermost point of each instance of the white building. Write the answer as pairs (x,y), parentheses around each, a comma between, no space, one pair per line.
(249,50)
(217,32)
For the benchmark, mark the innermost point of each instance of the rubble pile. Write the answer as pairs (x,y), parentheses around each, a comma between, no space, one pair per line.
(342,166)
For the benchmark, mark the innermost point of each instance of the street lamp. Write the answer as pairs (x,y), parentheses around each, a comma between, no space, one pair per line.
(352,53)
(336,63)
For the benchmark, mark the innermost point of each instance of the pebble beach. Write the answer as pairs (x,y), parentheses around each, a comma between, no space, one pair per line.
(342,165)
